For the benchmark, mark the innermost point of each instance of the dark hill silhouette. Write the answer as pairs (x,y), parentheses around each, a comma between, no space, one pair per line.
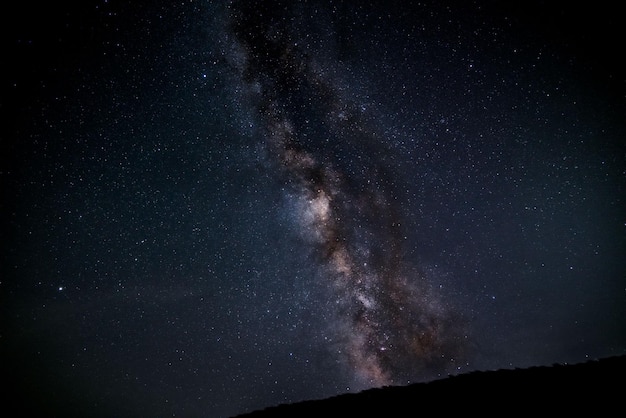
(595,387)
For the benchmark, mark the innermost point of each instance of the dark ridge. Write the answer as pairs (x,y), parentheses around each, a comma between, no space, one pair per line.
(596,385)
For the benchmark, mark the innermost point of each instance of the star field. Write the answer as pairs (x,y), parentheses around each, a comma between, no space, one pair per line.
(214,207)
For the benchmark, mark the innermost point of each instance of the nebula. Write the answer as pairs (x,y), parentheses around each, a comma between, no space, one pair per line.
(390,327)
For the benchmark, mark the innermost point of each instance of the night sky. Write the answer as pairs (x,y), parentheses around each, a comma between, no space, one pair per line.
(212,207)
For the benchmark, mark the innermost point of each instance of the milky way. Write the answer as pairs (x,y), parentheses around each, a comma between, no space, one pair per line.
(388,324)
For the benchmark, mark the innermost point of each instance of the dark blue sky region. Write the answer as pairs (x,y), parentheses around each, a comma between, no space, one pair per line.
(214,207)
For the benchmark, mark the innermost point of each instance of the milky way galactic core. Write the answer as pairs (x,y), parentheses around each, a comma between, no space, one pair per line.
(390,325)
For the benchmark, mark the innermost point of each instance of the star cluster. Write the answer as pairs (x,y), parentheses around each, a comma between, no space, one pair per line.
(390,325)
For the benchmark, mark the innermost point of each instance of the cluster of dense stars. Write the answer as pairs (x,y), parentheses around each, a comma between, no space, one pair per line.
(391,326)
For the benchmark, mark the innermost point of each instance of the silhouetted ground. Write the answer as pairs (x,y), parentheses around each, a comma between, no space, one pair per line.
(596,388)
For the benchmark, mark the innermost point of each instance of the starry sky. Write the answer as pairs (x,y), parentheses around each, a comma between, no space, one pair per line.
(212,207)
